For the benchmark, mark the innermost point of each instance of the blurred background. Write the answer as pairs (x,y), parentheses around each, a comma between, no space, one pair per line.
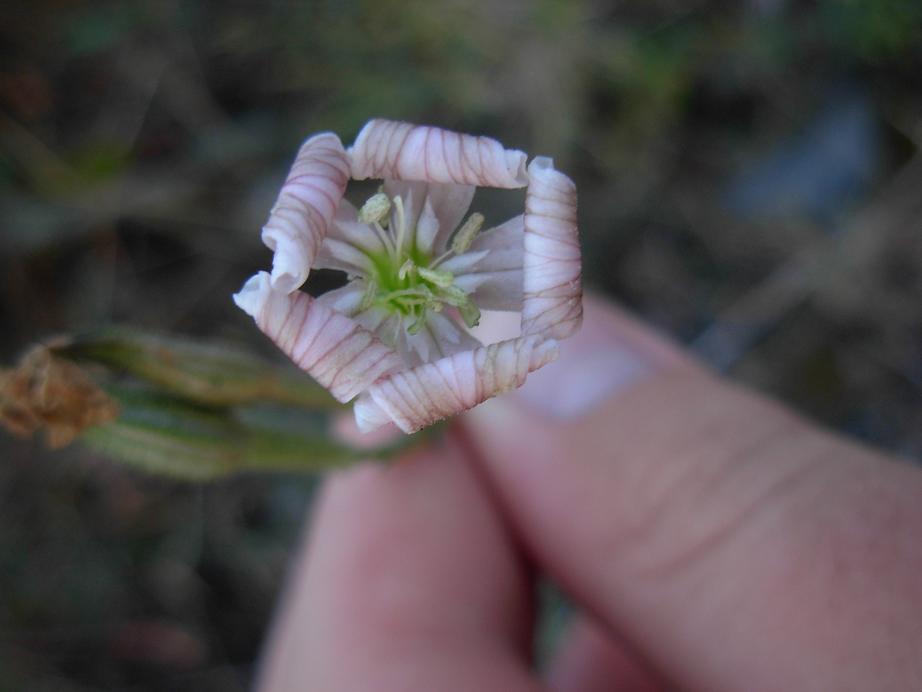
(750,182)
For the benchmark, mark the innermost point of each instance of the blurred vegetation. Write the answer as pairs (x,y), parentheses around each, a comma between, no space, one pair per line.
(749,178)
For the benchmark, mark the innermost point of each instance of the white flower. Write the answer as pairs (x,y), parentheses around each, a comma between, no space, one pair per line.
(419,271)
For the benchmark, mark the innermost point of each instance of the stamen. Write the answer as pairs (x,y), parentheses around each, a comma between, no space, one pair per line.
(368,297)
(441,258)
(412,302)
(470,313)
(454,296)
(420,291)
(375,209)
(464,236)
(417,288)
(417,295)
(442,279)
(385,239)
(417,324)
(375,213)
(407,269)
(401,229)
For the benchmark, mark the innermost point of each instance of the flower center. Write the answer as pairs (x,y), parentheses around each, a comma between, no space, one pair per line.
(406,281)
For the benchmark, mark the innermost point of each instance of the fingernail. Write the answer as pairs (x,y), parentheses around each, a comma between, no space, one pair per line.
(605,358)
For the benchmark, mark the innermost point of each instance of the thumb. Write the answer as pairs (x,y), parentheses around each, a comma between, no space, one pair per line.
(720,534)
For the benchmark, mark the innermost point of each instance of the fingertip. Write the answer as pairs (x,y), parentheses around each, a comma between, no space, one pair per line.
(591,659)
(346,429)
(407,571)
(610,354)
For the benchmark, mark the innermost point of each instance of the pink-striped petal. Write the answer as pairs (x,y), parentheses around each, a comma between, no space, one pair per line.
(335,350)
(552,297)
(401,151)
(305,206)
(422,395)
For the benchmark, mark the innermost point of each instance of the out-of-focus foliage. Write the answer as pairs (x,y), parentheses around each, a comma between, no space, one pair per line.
(178,408)
(749,180)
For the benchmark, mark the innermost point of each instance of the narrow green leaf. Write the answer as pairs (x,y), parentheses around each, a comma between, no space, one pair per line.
(212,375)
(167,436)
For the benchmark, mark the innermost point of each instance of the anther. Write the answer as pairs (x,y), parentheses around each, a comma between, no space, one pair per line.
(442,279)
(464,236)
(407,269)
(376,209)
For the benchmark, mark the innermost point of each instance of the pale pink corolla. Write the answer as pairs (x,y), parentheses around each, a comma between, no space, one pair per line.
(395,337)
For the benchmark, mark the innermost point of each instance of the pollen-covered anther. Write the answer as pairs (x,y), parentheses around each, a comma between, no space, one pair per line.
(461,242)
(375,209)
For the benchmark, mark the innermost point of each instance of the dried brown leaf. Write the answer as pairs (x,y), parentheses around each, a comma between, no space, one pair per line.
(48,393)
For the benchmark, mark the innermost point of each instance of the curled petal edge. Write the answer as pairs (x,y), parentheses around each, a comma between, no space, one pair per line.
(334,349)
(552,269)
(305,207)
(403,151)
(425,394)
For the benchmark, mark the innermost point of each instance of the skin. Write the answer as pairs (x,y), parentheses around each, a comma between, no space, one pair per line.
(712,539)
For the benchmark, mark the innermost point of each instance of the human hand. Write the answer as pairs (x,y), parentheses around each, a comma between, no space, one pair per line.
(712,540)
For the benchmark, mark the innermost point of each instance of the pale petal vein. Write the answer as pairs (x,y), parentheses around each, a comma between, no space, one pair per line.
(420,396)
(335,350)
(304,209)
(402,151)
(552,285)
